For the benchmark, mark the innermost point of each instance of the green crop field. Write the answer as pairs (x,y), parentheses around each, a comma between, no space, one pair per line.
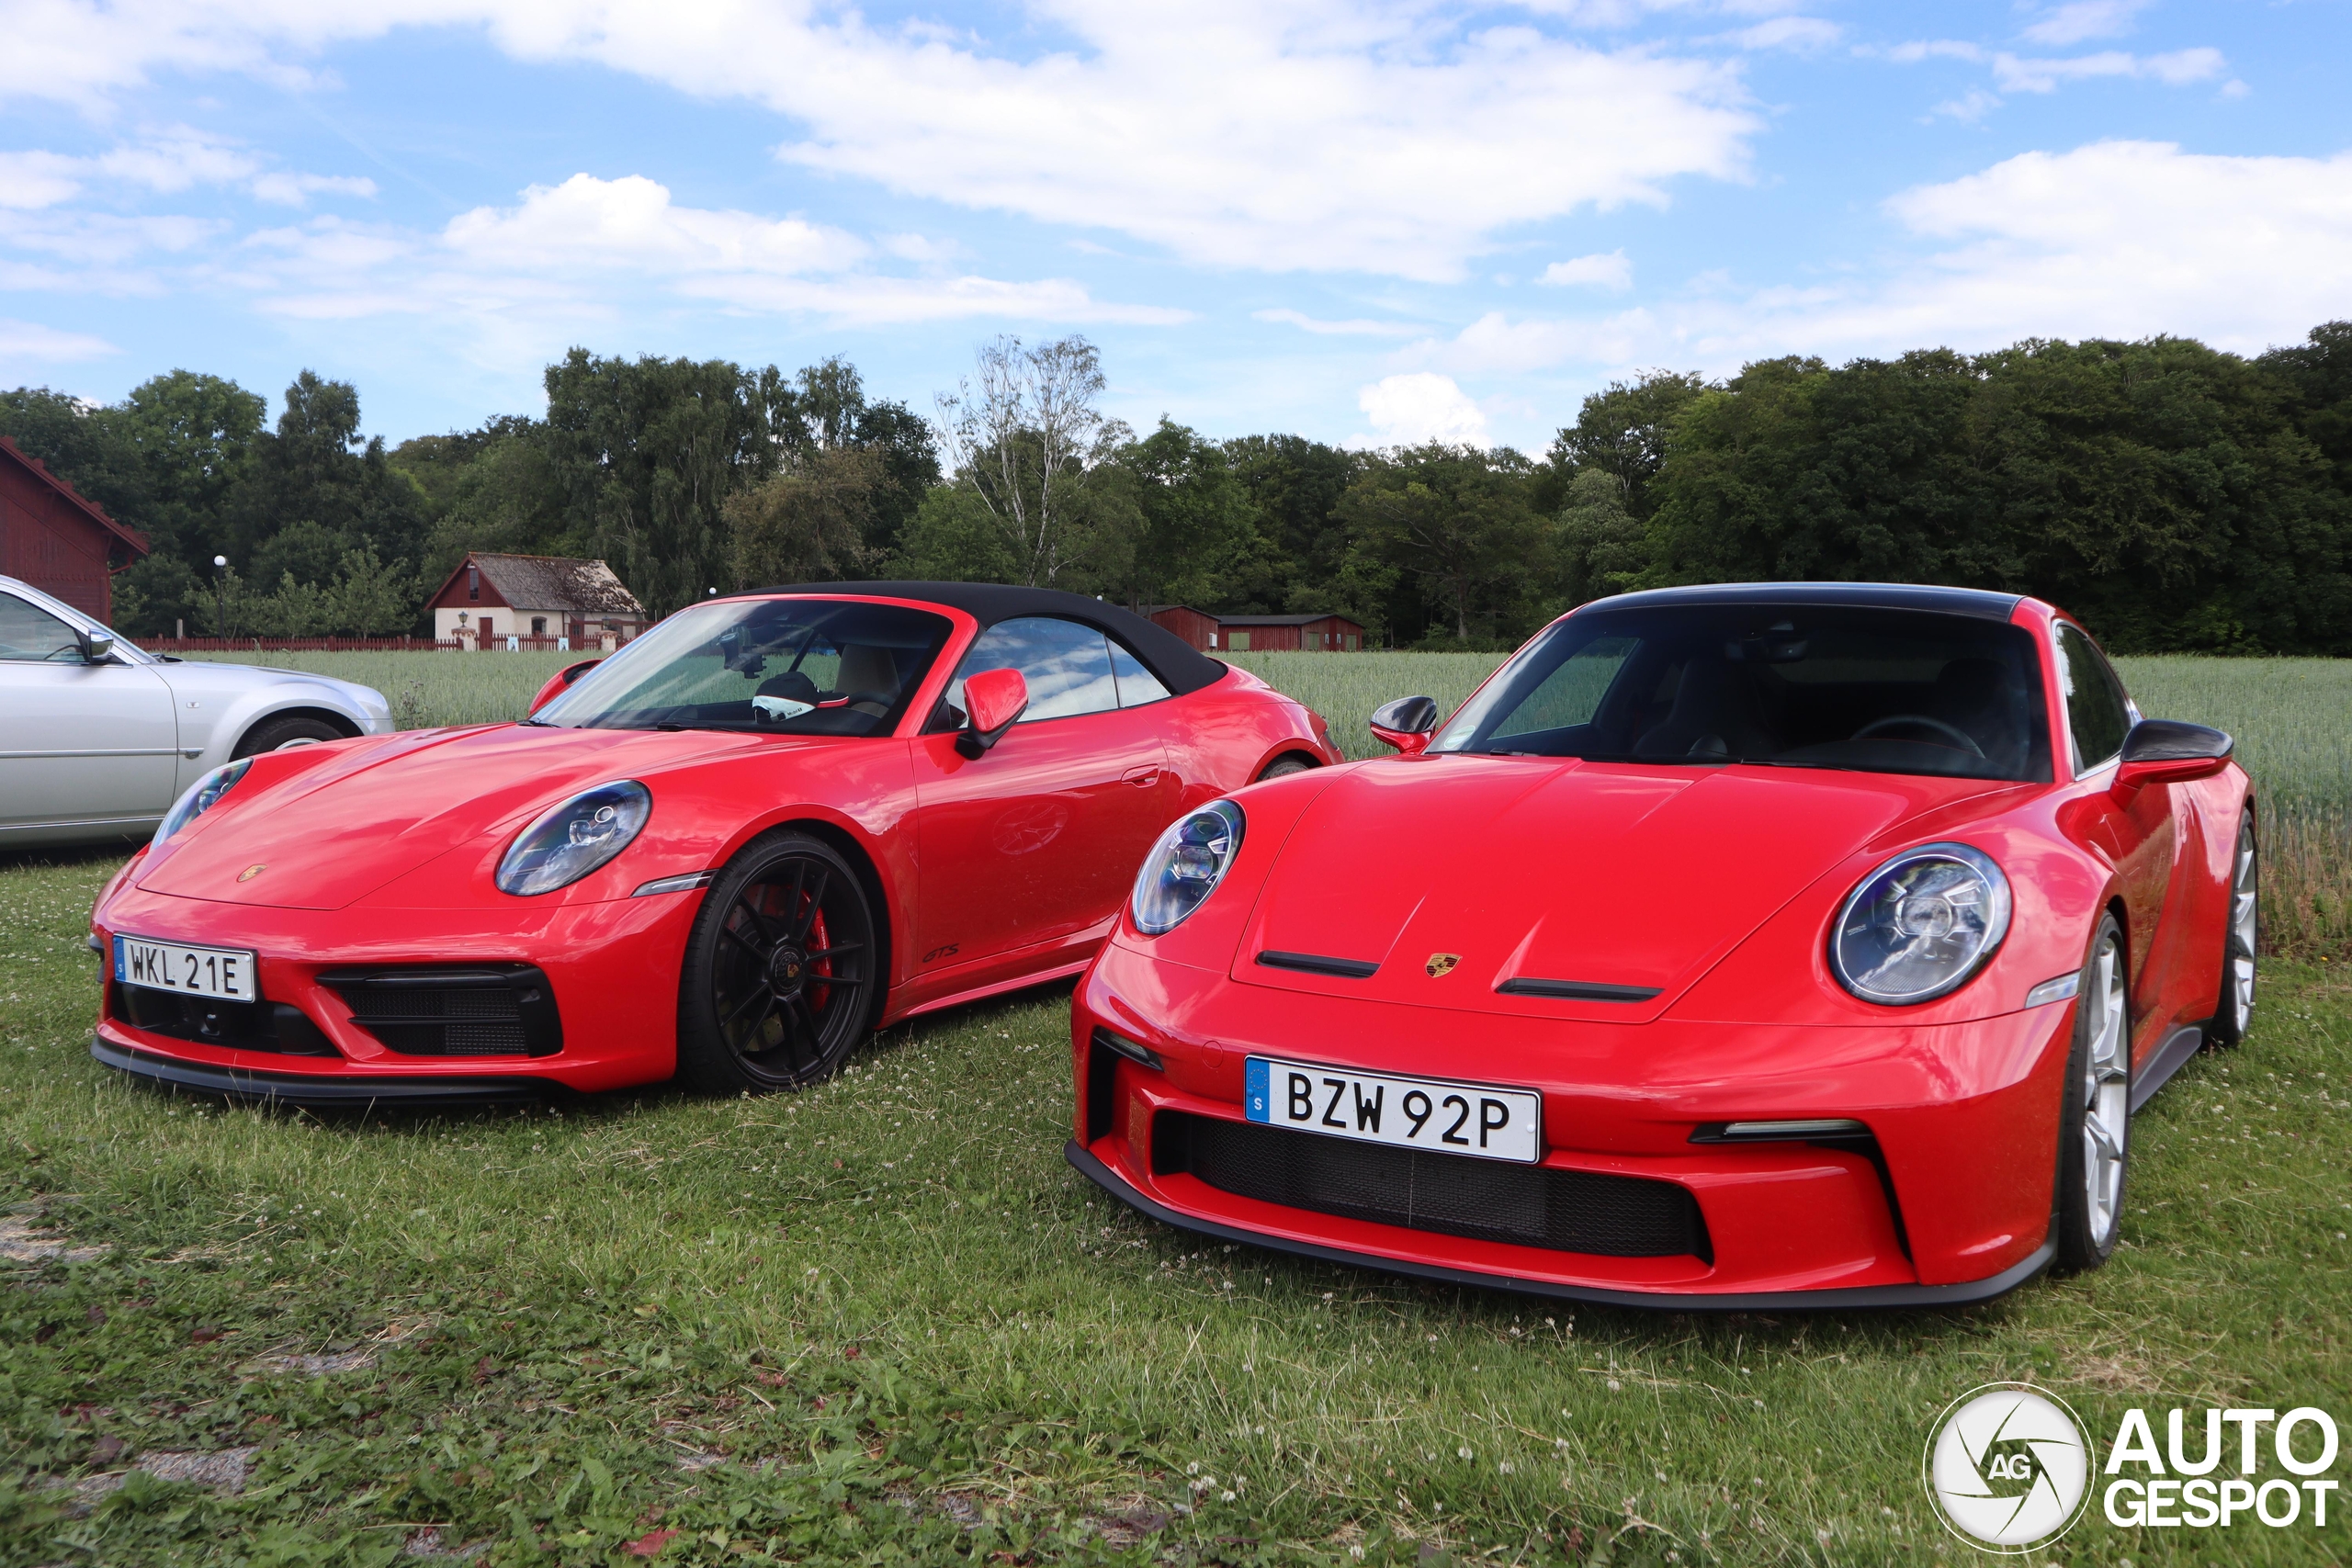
(2293,719)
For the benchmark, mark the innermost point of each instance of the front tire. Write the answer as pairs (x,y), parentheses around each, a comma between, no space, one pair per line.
(780,979)
(1282,767)
(2094,1117)
(277,734)
(2233,1012)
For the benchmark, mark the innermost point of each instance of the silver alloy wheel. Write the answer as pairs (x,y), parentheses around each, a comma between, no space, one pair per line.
(2240,979)
(2107,1092)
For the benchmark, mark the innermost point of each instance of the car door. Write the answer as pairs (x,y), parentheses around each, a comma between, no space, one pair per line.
(1038,837)
(2140,833)
(79,743)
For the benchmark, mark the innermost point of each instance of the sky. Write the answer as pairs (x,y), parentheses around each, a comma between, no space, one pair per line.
(1372,224)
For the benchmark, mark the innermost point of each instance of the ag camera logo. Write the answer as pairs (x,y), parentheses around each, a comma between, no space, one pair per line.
(2007,1467)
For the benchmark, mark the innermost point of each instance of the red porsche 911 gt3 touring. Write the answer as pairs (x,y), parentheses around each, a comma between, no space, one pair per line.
(769,825)
(1781,944)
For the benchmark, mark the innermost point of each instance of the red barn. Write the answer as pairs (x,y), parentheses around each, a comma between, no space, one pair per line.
(1259,634)
(52,538)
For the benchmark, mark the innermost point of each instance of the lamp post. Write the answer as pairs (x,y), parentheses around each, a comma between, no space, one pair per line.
(221,596)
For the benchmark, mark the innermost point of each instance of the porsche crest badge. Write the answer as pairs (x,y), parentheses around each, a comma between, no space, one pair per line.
(1441,964)
(251,870)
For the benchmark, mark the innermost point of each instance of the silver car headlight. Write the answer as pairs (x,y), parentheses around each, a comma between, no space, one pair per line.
(201,797)
(576,838)
(1920,925)
(1186,865)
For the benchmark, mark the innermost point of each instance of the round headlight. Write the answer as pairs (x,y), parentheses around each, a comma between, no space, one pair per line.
(1185,866)
(575,838)
(202,796)
(1920,925)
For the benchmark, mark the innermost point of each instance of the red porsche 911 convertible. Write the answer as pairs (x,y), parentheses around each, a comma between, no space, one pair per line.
(1765,945)
(772,823)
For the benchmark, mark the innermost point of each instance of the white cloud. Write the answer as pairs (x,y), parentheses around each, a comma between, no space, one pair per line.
(30,181)
(2081,19)
(28,341)
(576,252)
(2177,69)
(296,190)
(1608,271)
(1407,410)
(1800,33)
(1394,140)
(1356,327)
(2118,239)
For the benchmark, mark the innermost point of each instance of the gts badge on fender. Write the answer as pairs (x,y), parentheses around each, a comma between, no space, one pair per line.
(936,953)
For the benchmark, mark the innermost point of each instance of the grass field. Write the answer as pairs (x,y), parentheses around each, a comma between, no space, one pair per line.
(882,1323)
(2289,717)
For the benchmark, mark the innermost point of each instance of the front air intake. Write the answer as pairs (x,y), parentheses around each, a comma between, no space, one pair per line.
(478,1009)
(1568,1211)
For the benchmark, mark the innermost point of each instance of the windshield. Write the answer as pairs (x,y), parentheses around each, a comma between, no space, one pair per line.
(785,666)
(1796,685)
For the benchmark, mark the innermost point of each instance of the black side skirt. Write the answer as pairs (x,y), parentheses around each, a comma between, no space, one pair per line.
(319,1092)
(1849,1299)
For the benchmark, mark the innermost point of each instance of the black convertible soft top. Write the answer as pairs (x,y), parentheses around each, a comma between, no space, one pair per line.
(1180,667)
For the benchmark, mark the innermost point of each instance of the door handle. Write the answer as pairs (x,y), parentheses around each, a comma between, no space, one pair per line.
(1146,775)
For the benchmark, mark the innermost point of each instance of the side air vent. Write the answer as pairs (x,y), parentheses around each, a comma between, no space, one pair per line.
(478,1009)
(1576,990)
(1315,963)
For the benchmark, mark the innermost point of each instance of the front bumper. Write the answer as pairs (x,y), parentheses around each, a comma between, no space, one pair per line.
(1948,1201)
(612,968)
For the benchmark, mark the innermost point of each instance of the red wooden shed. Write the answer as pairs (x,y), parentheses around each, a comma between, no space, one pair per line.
(1258,634)
(52,538)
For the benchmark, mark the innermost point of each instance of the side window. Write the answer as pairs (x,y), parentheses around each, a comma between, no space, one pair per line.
(2096,717)
(31,634)
(1067,665)
(1137,686)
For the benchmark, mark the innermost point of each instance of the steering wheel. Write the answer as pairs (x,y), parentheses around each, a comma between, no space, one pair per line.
(1961,739)
(850,699)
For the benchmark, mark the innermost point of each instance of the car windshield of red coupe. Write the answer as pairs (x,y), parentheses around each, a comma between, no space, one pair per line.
(1871,691)
(790,665)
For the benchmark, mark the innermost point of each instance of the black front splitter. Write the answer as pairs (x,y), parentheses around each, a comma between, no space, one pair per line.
(319,1092)
(1852,1298)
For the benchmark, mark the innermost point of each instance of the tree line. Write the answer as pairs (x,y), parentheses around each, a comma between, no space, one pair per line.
(2175,496)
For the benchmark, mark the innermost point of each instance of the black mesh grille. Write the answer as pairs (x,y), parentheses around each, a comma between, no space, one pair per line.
(495,1010)
(1572,1210)
(239,1026)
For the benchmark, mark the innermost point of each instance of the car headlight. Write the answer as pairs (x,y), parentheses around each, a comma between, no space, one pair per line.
(1920,925)
(575,838)
(202,796)
(1185,866)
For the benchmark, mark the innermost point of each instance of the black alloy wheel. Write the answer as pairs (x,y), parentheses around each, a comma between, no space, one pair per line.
(780,973)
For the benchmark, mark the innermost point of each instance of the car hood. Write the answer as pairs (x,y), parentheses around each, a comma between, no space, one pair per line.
(1593,874)
(328,831)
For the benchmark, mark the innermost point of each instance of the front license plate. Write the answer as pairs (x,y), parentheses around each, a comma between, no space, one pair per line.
(224,972)
(1437,1114)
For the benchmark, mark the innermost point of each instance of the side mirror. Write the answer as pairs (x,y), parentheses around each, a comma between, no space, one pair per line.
(2165,751)
(994,699)
(561,679)
(97,647)
(1406,724)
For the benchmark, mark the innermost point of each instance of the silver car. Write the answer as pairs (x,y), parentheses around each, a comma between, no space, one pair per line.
(98,738)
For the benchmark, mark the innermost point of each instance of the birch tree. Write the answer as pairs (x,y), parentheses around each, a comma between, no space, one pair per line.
(1025,434)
